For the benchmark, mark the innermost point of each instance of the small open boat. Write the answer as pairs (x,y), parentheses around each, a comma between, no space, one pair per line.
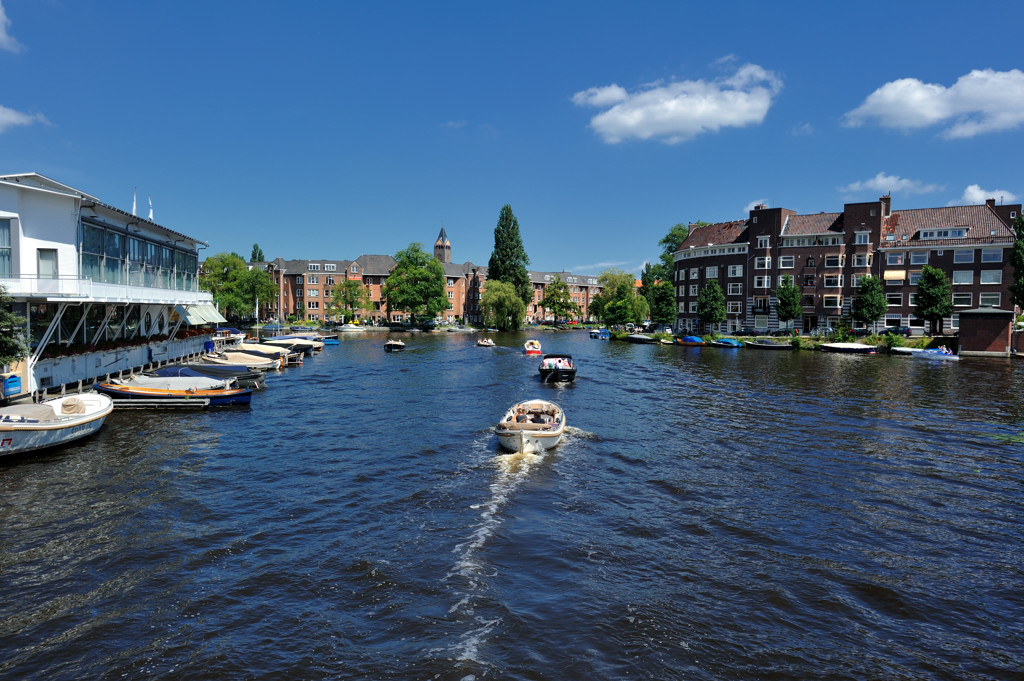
(851,348)
(531,347)
(532,426)
(766,344)
(243,377)
(937,355)
(155,389)
(28,427)
(557,369)
(392,345)
(690,340)
(600,334)
(641,338)
(726,343)
(246,359)
(485,342)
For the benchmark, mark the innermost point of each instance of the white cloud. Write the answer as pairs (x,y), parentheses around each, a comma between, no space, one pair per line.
(884,184)
(679,111)
(982,101)
(600,266)
(7,41)
(750,206)
(10,118)
(975,195)
(802,130)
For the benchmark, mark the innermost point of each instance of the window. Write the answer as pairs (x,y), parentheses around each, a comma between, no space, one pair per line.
(762,241)
(833,261)
(298,293)
(988,300)
(735,270)
(312,304)
(313,267)
(47,262)
(355,268)
(862,260)
(962,299)
(991,276)
(913,278)
(963,277)
(451,281)
(735,289)
(862,238)
(762,282)
(298,279)
(855,280)
(711,272)
(786,262)
(783,278)
(919,257)
(832,301)
(451,295)
(313,292)
(963,255)
(761,304)
(693,306)
(312,280)
(5,248)
(761,321)
(833,280)
(694,272)
(912,299)
(762,263)
(733,307)
(330,281)
(894,298)
(330,267)
(693,289)
(957,233)
(991,255)
(893,258)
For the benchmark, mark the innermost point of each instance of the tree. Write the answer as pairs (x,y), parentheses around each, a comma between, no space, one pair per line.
(509,259)
(869,304)
(934,296)
(662,301)
(348,296)
(252,286)
(711,305)
(502,307)
(416,284)
(558,301)
(788,305)
(619,303)
(12,331)
(257,254)
(670,243)
(1017,261)
(219,271)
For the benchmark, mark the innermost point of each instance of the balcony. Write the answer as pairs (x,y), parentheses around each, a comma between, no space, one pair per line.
(76,289)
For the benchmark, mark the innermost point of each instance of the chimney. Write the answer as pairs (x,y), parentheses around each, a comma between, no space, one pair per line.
(886,205)
(990,202)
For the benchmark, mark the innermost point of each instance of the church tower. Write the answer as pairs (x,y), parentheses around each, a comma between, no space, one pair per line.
(443,247)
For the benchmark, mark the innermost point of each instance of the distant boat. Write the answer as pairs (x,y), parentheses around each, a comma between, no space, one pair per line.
(531,347)
(726,343)
(29,427)
(557,369)
(766,344)
(347,328)
(850,348)
(937,355)
(690,340)
(641,338)
(485,342)
(600,334)
(394,345)
(532,426)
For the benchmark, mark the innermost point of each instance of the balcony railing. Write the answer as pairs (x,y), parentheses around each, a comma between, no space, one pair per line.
(71,288)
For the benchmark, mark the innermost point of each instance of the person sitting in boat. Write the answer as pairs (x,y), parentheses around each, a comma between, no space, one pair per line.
(521,416)
(944,350)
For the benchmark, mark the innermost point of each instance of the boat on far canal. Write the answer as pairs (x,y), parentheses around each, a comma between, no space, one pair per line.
(695,341)
(394,345)
(768,344)
(849,348)
(485,343)
(531,427)
(531,347)
(726,343)
(29,427)
(557,368)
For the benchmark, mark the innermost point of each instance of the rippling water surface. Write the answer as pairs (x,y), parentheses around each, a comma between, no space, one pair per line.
(712,514)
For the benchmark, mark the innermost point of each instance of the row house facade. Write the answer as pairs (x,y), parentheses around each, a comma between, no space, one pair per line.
(827,255)
(582,290)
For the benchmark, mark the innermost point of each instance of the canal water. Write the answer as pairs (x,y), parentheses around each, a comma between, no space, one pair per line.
(712,514)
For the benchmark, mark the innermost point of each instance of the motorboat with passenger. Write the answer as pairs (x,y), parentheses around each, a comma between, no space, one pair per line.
(531,427)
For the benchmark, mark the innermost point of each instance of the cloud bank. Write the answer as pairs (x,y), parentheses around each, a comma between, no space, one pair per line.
(679,111)
(10,118)
(883,184)
(7,41)
(983,101)
(974,195)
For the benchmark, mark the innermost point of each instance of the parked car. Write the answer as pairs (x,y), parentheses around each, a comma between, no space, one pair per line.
(746,331)
(900,331)
(821,332)
(783,332)
(860,333)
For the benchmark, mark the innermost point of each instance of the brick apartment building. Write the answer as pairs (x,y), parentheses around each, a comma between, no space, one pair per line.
(827,254)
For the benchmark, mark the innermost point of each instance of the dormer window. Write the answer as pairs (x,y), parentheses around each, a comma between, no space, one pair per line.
(355,269)
(953,233)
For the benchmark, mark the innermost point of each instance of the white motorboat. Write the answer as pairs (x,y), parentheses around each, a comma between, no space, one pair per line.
(156,382)
(485,343)
(246,359)
(394,345)
(938,355)
(533,426)
(28,427)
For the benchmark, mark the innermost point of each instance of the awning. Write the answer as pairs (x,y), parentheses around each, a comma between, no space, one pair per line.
(210,314)
(196,315)
(894,275)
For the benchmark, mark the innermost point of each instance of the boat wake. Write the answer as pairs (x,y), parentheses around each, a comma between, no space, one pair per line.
(470,572)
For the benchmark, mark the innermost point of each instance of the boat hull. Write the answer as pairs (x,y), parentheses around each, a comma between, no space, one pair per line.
(539,431)
(849,348)
(217,398)
(761,345)
(936,356)
(20,434)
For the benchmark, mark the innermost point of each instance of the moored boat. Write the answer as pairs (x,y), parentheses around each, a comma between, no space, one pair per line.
(767,344)
(246,359)
(937,354)
(29,427)
(242,377)
(134,390)
(349,328)
(557,368)
(531,347)
(726,343)
(850,348)
(392,345)
(641,338)
(695,341)
(532,426)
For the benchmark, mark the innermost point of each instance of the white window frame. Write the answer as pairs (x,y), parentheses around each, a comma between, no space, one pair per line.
(762,281)
(763,242)
(763,262)
(711,272)
(836,300)
(735,290)
(735,270)
(694,272)
(833,281)
(693,289)
(733,307)
(960,275)
(991,255)
(786,262)
(992,299)
(962,296)
(919,257)
(992,277)
(963,255)
(893,299)
(895,258)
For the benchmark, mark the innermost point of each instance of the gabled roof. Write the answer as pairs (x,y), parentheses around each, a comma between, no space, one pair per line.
(452,269)
(734,232)
(821,223)
(376,265)
(982,222)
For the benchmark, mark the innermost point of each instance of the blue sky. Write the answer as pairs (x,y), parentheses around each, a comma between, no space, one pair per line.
(334,129)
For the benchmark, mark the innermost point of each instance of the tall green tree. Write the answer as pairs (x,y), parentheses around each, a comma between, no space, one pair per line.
(670,243)
(619,303)
(254,287)
(502,307)
(711,305)
(12,331)
(509,259)
(558,300)
(1017,261)
(347,296)
(662,302)
(218,276)
(934,297)
(788,305)
(416,284)
(257,254)
(869,304)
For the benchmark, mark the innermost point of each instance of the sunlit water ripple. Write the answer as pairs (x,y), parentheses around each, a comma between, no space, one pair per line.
(710,515)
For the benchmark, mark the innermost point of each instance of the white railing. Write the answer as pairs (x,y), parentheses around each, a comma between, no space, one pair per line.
(76,288)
